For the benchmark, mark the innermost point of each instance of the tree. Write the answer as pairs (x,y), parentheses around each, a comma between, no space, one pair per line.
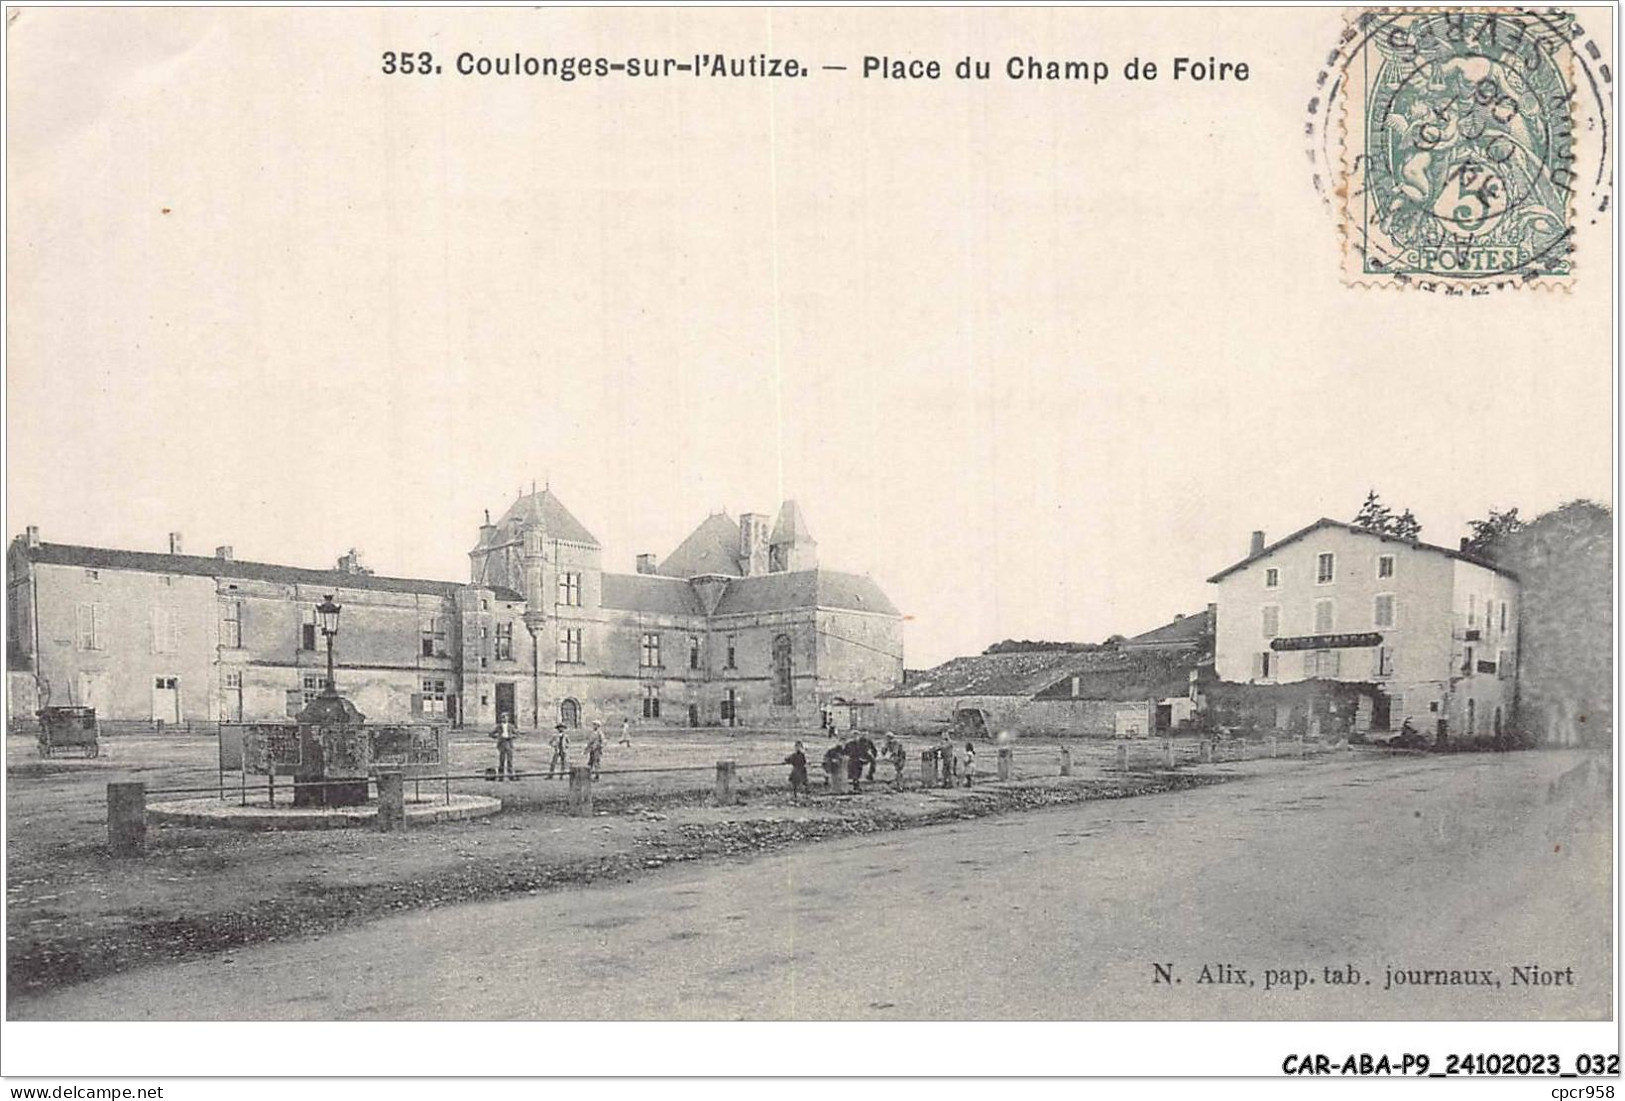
(1492,532)
(1564,624)
(1374,515)
(1378,517)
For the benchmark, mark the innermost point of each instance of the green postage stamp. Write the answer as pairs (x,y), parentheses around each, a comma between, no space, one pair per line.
(1458,148)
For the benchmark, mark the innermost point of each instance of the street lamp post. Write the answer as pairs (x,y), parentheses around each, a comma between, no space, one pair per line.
(327,614)
(329,725)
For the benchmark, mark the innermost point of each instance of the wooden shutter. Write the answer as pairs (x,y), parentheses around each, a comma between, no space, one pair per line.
(1258,666)
(417,703)
(296,701)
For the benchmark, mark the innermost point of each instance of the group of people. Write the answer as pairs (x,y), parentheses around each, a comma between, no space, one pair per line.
(559,764)
(857,757)
(953,764)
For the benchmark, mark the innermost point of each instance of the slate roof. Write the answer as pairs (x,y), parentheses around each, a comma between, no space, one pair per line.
(1184,632)
(1131,675)
(791,526)
(642,592)
(1326,522)
(67,554)
(1023,673)
(713,548)
(541,508)
(804,588)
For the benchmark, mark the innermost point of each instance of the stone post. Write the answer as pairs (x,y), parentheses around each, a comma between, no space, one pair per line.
(838,783)
(1168,754)
(391,800)
(580,790)
(127,817)
(1275,747)
(1122,757)
(1303,747)
(1066,760)
(1207,752)
(1005,754)
(928,771)
(726,773)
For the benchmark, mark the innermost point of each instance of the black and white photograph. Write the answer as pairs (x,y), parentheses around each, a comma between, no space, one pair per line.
(1050,519)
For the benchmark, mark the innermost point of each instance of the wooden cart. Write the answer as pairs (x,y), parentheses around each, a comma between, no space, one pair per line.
(69,731)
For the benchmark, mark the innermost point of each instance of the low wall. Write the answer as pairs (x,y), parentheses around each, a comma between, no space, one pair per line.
(1019,715)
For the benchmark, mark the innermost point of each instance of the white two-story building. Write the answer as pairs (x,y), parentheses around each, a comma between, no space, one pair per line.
(1336,629)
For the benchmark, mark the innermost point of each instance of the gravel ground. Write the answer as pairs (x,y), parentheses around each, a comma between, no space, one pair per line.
(74,912)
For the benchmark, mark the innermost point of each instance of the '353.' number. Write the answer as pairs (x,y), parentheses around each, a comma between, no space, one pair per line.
(421,63)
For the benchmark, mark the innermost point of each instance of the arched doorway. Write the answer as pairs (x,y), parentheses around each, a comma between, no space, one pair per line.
(570,714)
(970,722)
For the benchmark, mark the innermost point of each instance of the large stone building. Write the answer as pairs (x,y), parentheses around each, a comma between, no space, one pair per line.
(740,625)
(1337,629)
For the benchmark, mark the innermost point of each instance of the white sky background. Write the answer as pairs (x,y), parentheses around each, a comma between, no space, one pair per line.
(1046,354)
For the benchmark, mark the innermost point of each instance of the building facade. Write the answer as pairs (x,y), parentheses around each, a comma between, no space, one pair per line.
(739,626)
(1410,630)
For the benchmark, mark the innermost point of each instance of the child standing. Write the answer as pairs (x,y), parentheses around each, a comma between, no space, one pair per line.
(595,747)
(970,762)
(561,753)
(798,771)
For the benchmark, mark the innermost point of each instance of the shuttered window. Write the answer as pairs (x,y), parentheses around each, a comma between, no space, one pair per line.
(164,632)
(231,624)
(92,627)
(1382,610)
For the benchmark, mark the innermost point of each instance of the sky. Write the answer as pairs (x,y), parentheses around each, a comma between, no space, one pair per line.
(1036,357)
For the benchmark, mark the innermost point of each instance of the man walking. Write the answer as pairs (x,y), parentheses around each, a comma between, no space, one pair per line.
(626,733)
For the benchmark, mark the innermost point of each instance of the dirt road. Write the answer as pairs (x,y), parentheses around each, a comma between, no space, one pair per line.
(1455,866)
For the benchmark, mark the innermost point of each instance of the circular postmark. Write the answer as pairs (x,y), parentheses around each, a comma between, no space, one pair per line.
(1458,147)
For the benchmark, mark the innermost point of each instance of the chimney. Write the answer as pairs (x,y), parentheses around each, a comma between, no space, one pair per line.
(33,535)
(351,563)
(175,542)
(646,563)
(753,537)
(1465,543)
(224,552)
(1257,545)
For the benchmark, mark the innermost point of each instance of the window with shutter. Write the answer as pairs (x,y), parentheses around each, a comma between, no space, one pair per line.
(1272,620)
(296,701)
(1324,617)
(1382,610)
